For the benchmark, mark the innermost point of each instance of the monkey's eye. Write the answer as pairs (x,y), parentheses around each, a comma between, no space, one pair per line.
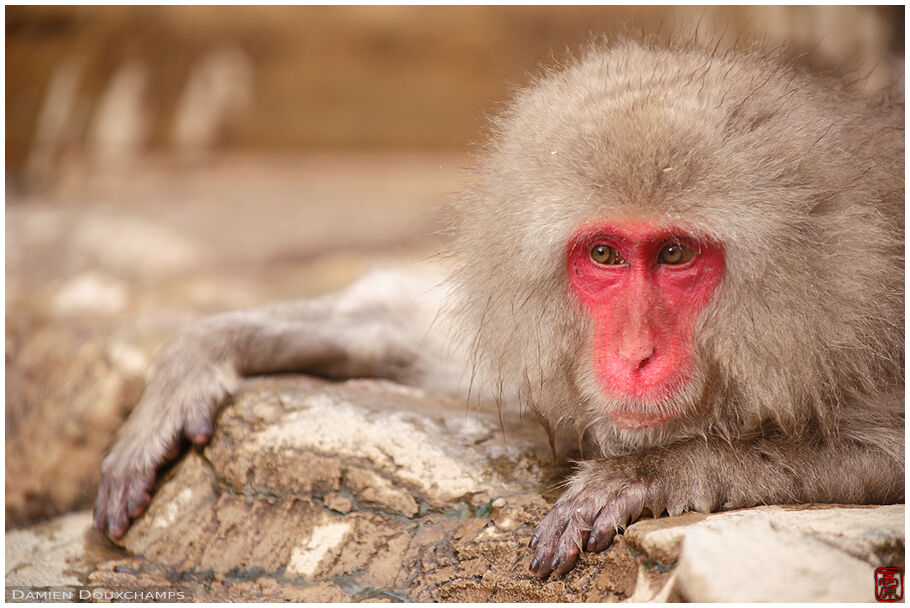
(606,255)
(675,254)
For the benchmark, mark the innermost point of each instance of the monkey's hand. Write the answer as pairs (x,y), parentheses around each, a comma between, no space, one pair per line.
(602,497)
(377,327)
(182,398)
(605,495)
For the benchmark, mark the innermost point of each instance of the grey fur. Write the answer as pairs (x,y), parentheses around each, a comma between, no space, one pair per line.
(801,350)
(798,392)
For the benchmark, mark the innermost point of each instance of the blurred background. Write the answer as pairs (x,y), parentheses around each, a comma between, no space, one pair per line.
(168,162)
(104,85)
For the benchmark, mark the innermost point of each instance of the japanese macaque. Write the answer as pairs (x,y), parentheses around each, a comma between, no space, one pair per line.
(693,258)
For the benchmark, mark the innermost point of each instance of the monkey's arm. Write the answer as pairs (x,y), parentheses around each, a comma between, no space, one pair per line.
(378,327)
(708,475)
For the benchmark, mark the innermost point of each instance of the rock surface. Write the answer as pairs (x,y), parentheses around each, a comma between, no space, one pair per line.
(367,490)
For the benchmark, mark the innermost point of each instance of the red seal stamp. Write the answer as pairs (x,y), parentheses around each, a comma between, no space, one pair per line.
(889,584)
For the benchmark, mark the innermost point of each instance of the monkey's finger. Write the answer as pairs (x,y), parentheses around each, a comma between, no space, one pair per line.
(137,505)
(99,512)
(198,429)
(568,549)
(139,492)
(547,536)
(173,451)
(109,516)
(575,536)
(605,528)
(117,523)
(615,515)
(121,496)
(540,565)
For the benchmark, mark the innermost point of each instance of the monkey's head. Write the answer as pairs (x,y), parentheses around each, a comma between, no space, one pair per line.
(667,242)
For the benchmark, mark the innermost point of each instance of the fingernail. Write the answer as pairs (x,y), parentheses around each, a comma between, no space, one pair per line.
(554,563)
(533,542)
(535,563)
(592,542)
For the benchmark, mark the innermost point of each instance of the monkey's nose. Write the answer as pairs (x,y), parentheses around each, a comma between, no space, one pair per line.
(636,356)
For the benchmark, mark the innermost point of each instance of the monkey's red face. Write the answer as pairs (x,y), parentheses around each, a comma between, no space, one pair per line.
(644,287)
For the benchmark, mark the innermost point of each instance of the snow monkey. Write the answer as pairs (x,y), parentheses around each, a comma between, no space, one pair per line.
(692,257)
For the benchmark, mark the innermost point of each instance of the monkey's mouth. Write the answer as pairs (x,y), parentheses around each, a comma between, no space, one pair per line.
(634,401)
(646,409)
(638,417)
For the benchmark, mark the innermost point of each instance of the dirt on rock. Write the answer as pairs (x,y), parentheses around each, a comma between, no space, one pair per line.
(358,490)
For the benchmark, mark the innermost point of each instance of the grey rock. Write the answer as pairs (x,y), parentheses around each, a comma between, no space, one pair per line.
(805,553)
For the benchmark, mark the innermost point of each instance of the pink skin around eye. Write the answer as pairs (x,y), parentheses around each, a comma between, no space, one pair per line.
(644,312)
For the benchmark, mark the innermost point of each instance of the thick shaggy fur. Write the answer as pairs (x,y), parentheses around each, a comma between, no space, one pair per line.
(798,388)
(798,177)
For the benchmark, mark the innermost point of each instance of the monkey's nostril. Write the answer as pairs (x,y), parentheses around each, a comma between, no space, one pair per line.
(636,358)
(646,359)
